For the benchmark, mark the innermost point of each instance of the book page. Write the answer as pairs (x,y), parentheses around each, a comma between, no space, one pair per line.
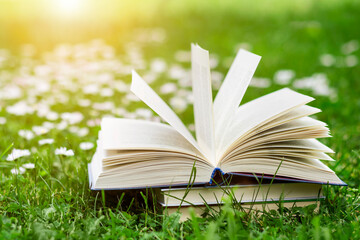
(202,93)
(260,111)
(131,134)
(232,90)
(142,90)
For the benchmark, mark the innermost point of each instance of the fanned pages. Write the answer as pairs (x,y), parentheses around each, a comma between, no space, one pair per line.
(271,136)
(143,91)
(232,90)
(203,107)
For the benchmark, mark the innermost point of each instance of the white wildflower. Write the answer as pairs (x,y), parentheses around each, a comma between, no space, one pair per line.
(17,171)
(104,106)
(11,92)
(351,61)
(2,120)
(27,134)
(17,153)
(52,116)
(82,132)
(121,86)
(216,78)
(93,122)
(179,104)
(213,61)
(183,56)
(28,165)
(84,102)
(243,45)
(119,111)
(191,127)
(19,109)
(48,125)
(283,77)
(158,65)
(144,113)
(72,117)
(46,141)
(318,83)
(86,145)
(132,97)
(62,125)
(40,130)
(350,47)
(168,88)
(327,60)
(177,72)
(150,77)
(91,89)
(106,92)
(260,82)
(64,151)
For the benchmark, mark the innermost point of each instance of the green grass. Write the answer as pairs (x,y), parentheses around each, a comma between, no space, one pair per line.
(53,200)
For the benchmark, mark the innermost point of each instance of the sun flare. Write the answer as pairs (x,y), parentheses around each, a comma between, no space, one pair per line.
(67,6)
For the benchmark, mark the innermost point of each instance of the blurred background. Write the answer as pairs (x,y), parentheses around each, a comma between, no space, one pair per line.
(64,64)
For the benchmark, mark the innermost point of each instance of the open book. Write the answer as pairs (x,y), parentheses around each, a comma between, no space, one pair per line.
(255,138)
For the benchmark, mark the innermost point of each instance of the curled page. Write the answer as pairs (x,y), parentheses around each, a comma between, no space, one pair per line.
(232,90)
(143,91)
(203,109)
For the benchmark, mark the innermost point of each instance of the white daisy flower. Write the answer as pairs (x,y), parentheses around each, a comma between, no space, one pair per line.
(106,92)
(327,60)
(351,61)
(52,116)
(350,47)
(86,145)
(72,117)
(17,171)
(64,151)
(84,102)
(214,62)
(19,109)
(179,104)
(260,82)
(82,132)
(191,127)
(62,125)
(46,141)
(27,134)
(144,113)
(17,153)
(168,88)
(28,165)
(39,130)
(91,89)
(183,56)
(11,92)
(158,65)
(177,72)
(283,77)
(2,120)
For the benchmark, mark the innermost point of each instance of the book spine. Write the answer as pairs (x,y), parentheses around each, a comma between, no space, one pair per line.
(213,174)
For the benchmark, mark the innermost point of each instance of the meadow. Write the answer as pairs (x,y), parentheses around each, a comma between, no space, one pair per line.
(61,72)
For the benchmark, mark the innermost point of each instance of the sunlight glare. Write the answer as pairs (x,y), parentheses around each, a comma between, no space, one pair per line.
(67,6)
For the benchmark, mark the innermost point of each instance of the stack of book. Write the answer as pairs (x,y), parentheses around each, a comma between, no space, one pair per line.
(246,192)
(273,135)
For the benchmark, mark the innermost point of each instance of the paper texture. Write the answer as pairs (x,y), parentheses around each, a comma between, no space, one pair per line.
(203,109)
(131,134)
(141,89)
(233,89)
(259,111)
